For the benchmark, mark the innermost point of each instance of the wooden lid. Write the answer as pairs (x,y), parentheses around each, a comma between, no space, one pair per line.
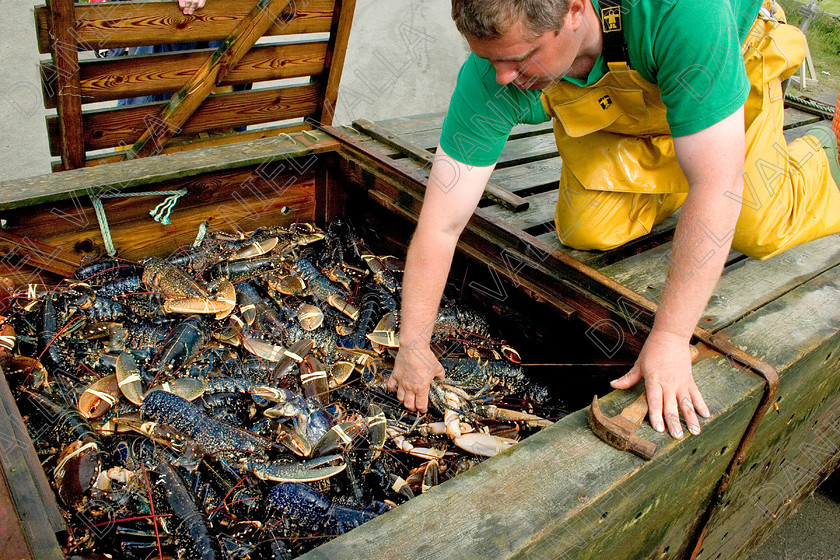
(279,64)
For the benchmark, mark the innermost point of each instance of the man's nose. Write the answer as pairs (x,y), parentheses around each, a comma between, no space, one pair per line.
(506,74)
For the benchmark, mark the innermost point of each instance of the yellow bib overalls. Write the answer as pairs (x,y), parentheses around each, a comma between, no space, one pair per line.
(620,175)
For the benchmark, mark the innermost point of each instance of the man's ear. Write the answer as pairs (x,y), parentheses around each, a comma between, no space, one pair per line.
(575,16)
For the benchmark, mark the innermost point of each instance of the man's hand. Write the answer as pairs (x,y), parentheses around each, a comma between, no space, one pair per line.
(665,365)
(190,6)
(413,372)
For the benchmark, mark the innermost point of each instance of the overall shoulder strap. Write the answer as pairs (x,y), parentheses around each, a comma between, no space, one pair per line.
(615,47)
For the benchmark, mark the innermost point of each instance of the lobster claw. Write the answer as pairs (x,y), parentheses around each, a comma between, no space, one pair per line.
(255,249)
(99,397)
(308,471)
(483,444)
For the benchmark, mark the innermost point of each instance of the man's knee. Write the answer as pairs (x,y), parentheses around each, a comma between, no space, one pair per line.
(585,235)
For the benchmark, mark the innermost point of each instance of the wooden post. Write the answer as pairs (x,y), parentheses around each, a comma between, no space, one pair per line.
(809,14)
(184,103)
(334,64)
(66,58)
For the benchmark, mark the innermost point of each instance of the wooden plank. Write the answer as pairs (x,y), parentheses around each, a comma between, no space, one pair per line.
(744,287)
(192,143)
(133,76)
(570,495)
(65,57)
(142,237)
(222,187)
(24,491)
(530,176)
(797,446)
(34,468)
(185,102)
(380,134)
(525,150)
(794,118)
(110,128)
(82,182)
(123,24)
(337,51)
(540,211)
(33,253)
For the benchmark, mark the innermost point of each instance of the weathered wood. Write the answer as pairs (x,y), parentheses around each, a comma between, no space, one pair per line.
(123,24)
(223,187)
(798,446)
(745,286)
(572,496)
(34,468)
(34,520)
(31,252)
(540,211)
(185,102)
(380,134)
(48,188)
(133,76)
(337,51)
(539,175)
(65,57)
(107,129)
(794,118)
(142,237)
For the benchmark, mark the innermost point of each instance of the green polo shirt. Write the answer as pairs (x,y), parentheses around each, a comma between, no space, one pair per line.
(690,49)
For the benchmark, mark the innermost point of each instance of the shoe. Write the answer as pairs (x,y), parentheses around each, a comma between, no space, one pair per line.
(828,140)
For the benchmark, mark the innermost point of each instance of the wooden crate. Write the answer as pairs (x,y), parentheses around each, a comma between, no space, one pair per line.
(561,493)
(295,70)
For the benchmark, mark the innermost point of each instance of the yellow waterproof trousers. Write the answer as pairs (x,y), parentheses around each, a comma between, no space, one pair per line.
(620,176)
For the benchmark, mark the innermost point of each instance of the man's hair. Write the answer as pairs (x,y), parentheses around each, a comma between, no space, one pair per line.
(489,19)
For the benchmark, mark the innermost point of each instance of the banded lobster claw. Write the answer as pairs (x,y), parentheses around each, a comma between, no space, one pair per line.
(285,471)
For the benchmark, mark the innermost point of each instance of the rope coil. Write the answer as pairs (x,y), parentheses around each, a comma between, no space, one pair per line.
(159,213)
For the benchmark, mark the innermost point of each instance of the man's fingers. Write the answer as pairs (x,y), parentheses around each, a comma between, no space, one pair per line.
(654,397)
(672,414)
(408,401)
(687,409)
(628,379)
(699,402)
(421,402)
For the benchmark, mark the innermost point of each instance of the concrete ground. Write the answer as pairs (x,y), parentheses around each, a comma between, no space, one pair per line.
(401,60)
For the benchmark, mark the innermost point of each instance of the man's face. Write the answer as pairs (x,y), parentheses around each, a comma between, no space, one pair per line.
(534,62)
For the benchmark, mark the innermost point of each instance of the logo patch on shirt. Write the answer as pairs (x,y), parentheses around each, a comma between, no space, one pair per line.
(605,102)
(611,19)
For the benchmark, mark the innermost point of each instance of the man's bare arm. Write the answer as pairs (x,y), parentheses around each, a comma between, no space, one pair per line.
(452,195)
(713,163)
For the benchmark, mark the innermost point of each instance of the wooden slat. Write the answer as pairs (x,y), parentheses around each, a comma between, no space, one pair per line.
(184,103)
(798,445)
(529,176)
(540,211)
(133,24)
(219,188)
(23,489)
(337,51)
(123,175)
(380,134)
(142,237)
(33,253)
(181,145)
(106,129)
(744,287)
(133,76)
(66,59)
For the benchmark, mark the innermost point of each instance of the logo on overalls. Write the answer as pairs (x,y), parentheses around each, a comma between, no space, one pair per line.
(611,18)
(605,102)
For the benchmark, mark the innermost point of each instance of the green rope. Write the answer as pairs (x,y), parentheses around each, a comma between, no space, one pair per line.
(160,213)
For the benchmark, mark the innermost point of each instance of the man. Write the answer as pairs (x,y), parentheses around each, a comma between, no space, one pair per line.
(656,105)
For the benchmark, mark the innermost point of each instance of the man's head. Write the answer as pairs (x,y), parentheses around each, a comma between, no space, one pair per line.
(490,19)
(530,43)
